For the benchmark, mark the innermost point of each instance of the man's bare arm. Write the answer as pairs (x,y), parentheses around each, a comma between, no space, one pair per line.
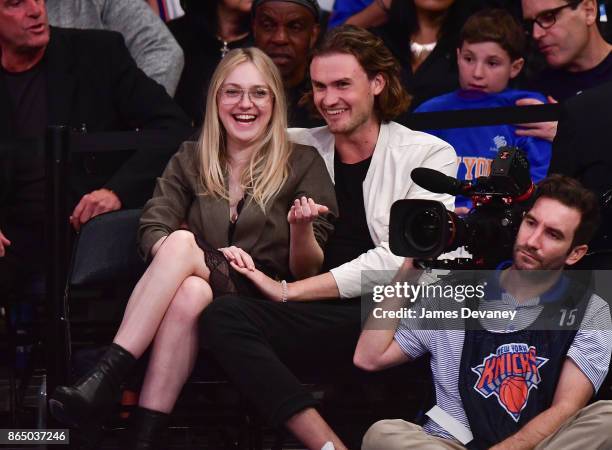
(377,348)
(573,392)
(319,287)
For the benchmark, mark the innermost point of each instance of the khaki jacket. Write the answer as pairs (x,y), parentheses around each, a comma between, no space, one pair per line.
(178,198)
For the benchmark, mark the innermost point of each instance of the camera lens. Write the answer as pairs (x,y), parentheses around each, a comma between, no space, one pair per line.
(422,230)
(419,228)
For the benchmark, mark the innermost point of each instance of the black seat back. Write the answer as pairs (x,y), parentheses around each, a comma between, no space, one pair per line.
(106,250)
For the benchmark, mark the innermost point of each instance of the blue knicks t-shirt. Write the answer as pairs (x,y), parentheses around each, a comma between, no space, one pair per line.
(476,147)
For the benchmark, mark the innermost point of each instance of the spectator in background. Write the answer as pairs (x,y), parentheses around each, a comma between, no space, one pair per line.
(581,146)
(82,79)
(490,52)
(207,31)
(567,35)
(423,34)
(287,30)
(377,13)
(343,9)
(147,38)
(374,15)
(581,150)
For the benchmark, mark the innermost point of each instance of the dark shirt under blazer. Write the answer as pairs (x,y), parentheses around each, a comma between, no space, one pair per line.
(265,236)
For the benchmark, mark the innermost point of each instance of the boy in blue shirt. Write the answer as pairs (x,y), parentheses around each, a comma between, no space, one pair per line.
(489,56)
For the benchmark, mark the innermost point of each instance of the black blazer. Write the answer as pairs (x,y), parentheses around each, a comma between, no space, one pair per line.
(581,148)
(93,82)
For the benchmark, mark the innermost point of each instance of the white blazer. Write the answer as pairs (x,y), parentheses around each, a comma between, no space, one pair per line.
(398,151)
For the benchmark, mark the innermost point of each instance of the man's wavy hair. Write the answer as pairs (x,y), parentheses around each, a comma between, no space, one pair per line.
(570,192)
(375,58)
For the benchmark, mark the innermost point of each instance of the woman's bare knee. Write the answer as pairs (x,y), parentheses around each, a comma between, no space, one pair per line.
(180,247)
(191,298)
(177,242)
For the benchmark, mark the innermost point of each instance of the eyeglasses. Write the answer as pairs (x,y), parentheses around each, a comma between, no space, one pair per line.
(231,95)
(546,19)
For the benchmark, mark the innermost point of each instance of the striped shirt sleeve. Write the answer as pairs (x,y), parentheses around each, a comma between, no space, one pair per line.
(592,344)
(412,342)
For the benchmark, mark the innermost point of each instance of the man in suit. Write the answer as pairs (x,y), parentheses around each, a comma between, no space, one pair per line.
(87,81)
(580,148)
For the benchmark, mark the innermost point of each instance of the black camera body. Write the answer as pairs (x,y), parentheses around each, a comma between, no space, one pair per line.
(425,229)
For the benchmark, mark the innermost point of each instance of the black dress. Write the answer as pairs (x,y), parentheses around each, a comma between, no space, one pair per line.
(437,74)
(223,278)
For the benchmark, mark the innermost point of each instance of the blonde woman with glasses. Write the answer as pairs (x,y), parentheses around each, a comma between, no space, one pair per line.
(249,198)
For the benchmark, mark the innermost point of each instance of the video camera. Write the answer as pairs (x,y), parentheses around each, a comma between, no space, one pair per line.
(425,229)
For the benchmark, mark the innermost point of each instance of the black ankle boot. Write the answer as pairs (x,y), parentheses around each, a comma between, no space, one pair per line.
(147,430)
(91,398)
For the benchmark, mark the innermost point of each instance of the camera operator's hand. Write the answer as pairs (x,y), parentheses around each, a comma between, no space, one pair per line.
(4,242)
(542,130)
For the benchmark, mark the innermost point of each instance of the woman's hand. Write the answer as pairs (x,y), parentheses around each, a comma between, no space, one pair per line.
(270,288)
(238,258)
(305,211)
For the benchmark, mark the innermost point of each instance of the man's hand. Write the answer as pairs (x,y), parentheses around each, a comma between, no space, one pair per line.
(462,211)
(93,204)
(542,130)
(238,258)
(4,242)
(304,211)
(305,254)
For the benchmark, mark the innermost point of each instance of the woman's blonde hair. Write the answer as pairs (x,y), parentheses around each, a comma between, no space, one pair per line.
(268,167)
